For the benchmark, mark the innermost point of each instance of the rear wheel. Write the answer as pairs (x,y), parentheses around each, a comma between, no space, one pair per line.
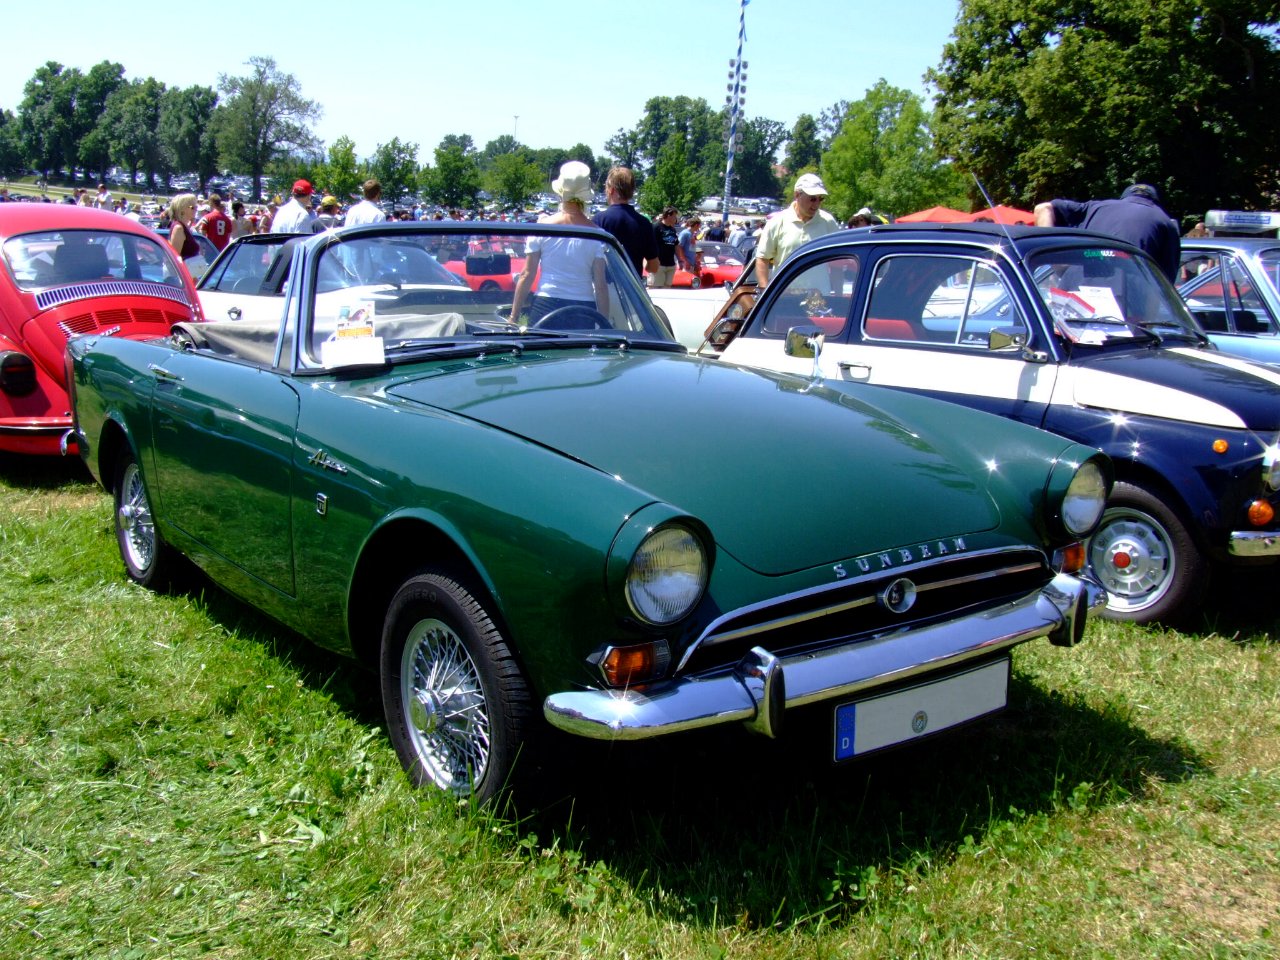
(457,705)
(148,560)
(1144,556)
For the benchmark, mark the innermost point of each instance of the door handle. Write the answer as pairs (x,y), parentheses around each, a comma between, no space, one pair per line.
(854,371)
(163,374)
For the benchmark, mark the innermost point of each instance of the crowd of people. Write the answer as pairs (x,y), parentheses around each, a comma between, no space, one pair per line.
(655,248)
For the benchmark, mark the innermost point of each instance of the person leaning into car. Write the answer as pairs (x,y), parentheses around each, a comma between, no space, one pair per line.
(802,221)
(1136,218)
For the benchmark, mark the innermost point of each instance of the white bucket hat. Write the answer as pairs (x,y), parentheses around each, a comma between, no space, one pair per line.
(574,182)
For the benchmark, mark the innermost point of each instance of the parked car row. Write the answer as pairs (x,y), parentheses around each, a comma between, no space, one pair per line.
(529,516)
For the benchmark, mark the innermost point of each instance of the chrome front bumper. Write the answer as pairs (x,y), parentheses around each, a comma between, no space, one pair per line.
(1254,543)
(757,691)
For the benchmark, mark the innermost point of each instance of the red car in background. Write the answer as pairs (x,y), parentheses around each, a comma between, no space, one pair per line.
(486,267)
(71,270)
(720,263)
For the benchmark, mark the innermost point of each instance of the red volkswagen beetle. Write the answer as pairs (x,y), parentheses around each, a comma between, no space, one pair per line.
(72,270)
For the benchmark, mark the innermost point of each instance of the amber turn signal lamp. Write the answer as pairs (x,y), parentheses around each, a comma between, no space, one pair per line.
(1071,558)
(1261,513)
(627,666)
(1219,446)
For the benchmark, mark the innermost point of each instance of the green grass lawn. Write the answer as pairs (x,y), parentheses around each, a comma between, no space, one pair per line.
(181,778)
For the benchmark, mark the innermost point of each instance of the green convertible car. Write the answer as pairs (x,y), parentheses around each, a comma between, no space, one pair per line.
(533,509)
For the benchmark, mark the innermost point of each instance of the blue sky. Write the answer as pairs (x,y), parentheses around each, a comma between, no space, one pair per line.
(421,69)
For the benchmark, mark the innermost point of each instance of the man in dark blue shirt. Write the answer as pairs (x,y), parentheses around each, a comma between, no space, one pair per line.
(1136,218)
(630,226)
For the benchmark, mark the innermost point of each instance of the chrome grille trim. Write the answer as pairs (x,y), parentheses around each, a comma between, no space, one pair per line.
(107,288)
(866,595)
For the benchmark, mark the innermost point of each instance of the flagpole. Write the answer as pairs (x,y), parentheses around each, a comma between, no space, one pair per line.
(735,101)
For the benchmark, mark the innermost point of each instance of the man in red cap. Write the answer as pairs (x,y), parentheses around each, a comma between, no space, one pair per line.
(296,215)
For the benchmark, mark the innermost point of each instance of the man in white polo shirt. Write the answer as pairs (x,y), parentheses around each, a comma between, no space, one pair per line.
(802,221)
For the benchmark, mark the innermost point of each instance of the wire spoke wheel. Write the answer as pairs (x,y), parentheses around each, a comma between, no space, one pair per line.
(448,718)
(458,707)
(134,521)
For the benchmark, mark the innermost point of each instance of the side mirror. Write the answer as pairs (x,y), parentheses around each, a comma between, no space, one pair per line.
(1005,338)
(805,342)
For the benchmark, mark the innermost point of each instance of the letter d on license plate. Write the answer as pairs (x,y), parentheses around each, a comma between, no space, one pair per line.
(908,714)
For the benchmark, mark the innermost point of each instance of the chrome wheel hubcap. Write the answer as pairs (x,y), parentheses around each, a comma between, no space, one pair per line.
(135,522)
(1133,559)
(445,709)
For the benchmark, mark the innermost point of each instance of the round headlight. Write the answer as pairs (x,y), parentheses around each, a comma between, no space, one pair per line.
(1271,467)
(667,575)
(1086,496)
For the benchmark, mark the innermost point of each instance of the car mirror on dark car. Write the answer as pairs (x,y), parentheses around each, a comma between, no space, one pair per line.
(1007,338)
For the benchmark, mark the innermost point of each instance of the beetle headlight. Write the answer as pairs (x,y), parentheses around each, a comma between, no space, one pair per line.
(667,575)
(1083,502)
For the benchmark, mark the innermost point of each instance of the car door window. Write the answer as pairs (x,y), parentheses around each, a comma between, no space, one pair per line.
(819,295)
(939,299)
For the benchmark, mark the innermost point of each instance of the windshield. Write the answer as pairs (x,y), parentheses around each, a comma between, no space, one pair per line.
(1097,295)
(54,258)
(1270,260)
(378,297)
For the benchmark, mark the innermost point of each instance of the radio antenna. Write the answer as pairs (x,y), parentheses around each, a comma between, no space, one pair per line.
(991,206)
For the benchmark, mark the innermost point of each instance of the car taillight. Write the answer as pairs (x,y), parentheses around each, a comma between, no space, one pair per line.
(17,373)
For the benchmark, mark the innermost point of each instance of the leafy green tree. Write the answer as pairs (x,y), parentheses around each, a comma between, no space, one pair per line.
(44,117)
(12,163)
(514,181)
(454,181)
(264,117)
(753,164)
(1044,98)
(342,174)
(804,150)
(132,124)
(624,150)
(884,157)
(495,148)
(186,130)
(395,164)
(674,182)
(462,141)
(93,143)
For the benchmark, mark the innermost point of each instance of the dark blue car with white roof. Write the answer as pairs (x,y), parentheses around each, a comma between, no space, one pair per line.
(1073,332)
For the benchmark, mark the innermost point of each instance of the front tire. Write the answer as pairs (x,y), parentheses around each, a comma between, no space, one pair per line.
(148,560)
(1145,557)
(457,705)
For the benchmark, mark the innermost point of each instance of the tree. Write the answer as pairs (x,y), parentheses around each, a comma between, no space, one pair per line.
(92,142)
(454,181)
(264,117)
(1044,98)
(803,147)
(674,182)
(186,130)
(753,164)
(342,173)
(133,120)
(11,161)
(44,117)
(513,181)
(395,164)
(884,157)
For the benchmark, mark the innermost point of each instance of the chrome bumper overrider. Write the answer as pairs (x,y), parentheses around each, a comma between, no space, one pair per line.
(1254,543)
(761,686)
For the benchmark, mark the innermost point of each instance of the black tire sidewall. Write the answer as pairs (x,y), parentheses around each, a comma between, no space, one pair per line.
(151,576)
(440,597)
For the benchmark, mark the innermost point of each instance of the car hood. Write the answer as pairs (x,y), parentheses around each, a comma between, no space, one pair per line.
(1180,383)
(787,475)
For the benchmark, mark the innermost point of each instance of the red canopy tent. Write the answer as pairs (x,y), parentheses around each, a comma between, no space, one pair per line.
(935,215)
(1003,214)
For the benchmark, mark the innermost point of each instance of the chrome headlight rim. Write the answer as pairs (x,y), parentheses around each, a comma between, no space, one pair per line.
(1271,467)
(1084,499)
(667,574)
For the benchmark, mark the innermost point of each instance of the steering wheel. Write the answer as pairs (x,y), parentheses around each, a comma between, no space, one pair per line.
(573,317)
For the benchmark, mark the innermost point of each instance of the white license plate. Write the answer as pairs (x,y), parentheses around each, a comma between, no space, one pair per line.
(915,712)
